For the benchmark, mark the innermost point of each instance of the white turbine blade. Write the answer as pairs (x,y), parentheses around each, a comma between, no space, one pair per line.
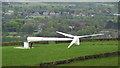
(99,34)
(68,35)
(32,39)
(89,35)
(72,43)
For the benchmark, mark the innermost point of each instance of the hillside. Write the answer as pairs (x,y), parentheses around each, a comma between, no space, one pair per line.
(44,18)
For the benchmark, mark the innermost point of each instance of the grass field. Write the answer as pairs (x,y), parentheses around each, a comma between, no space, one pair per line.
(54,52)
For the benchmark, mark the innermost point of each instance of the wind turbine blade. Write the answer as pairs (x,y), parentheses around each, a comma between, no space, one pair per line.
(89,35)
(72,43)
(68,35)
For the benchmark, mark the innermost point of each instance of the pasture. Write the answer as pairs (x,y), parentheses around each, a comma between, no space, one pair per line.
(55,52)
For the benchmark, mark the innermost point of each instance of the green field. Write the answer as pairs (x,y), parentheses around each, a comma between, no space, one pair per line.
(54,52)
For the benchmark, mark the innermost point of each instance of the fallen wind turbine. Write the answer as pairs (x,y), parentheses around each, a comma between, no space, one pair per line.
(75,39)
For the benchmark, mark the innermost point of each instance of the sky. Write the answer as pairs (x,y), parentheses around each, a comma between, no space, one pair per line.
(60,0)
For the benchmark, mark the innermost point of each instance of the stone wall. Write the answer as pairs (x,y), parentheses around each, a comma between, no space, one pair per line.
(81,58)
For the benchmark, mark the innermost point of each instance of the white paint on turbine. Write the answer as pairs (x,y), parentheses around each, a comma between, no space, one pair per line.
(32,39)
(75,39)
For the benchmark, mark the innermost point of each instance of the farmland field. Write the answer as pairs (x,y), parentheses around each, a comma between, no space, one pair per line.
(54,52)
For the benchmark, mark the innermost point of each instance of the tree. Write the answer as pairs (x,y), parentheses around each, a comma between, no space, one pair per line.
(27,28)
(12,26)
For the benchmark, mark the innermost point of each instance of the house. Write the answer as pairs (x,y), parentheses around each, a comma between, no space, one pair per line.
(36,14)
(40,26)
(57,13)
(81,25)
(9,12)
(82,14)
(45,13)
(52,13)
(79,14)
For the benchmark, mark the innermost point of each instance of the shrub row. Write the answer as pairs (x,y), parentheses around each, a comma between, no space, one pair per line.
(80,58)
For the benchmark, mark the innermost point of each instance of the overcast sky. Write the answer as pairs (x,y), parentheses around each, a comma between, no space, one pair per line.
(60,0)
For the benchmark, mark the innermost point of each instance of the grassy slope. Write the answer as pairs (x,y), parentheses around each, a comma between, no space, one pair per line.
(107,61)
(53,52)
